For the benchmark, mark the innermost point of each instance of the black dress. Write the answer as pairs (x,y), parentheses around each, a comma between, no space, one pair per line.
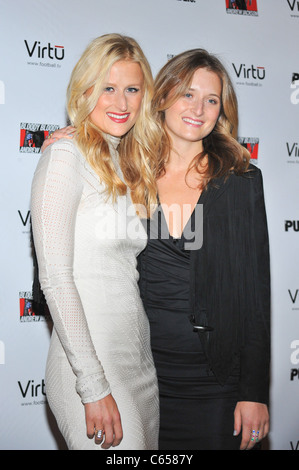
(196,412)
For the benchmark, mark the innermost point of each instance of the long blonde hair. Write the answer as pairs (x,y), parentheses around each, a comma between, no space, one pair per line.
(221,147)
(137,149)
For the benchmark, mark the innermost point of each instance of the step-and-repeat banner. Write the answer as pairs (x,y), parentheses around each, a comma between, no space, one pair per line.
(40,42)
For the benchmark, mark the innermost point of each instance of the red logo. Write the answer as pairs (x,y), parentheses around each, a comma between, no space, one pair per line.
(243,7)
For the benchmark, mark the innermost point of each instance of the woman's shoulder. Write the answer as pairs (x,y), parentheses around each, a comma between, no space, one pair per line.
(64,150)
(254,174)
(248,183)
(250,175)
(64,145)
(251,171)
(254,170)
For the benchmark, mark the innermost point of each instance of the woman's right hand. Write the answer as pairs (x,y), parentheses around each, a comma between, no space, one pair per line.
(64,132)
(103,415)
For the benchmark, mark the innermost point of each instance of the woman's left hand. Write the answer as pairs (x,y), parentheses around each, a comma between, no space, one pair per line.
(253,420)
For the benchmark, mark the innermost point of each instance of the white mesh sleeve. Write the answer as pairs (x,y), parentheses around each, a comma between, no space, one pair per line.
(56,193)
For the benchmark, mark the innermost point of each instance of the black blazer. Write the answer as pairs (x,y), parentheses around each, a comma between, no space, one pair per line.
(230,283)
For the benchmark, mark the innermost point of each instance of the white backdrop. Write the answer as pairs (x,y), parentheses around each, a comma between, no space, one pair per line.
(40,42)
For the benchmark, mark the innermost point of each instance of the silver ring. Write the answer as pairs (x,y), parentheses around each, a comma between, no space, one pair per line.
(99,434)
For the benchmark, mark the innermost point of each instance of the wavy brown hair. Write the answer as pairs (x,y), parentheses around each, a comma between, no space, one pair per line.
(138,148)
(221,147)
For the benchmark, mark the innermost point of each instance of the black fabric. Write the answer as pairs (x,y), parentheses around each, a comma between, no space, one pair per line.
(230,283)
(202,419)
(187,387)
(165,288)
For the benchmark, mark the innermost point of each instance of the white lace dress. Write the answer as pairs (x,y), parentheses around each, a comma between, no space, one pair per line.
(86,248)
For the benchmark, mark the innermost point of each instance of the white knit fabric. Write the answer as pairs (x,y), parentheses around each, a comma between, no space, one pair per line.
(86,247)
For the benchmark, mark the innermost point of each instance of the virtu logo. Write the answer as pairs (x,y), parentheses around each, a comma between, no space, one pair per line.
(44,52)
(32,389)
(293,3)
(256,73)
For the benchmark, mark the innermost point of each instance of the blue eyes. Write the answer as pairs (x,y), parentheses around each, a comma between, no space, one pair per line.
(133,90)
(209,100)
(110,89)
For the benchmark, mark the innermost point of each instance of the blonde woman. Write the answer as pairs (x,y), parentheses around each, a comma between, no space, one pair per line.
(100,378)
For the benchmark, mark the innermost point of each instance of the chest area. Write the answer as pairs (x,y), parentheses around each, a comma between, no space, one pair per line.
(178,197)
(110,223)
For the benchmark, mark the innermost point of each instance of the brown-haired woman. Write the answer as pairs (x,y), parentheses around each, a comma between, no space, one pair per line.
(205,270)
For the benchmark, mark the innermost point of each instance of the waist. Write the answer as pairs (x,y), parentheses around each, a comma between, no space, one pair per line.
(170,363)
